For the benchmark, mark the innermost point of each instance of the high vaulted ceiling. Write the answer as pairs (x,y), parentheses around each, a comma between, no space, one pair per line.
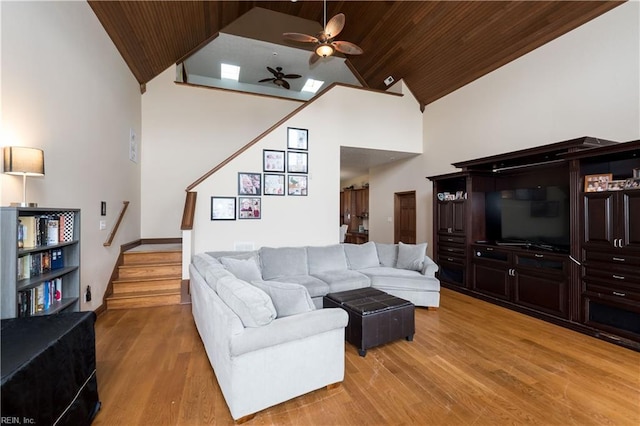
(435,46)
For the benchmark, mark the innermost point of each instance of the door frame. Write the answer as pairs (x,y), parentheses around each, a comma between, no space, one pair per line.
(396,214)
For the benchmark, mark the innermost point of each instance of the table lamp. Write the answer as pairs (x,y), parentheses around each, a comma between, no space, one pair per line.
(24,161)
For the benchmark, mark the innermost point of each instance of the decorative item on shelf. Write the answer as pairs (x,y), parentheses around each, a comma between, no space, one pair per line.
(636,173)
(23,161)
(616,185)
(441,196)
(632,183)
(597,183)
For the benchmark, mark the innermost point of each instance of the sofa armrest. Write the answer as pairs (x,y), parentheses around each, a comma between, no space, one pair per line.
(429,268)
(287,329)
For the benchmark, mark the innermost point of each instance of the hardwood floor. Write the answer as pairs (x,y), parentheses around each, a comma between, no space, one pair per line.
(470,363)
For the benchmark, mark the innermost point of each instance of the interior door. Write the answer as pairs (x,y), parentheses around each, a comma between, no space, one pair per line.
(405,217)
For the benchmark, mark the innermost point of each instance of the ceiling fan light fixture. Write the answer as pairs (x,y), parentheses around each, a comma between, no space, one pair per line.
(324,50)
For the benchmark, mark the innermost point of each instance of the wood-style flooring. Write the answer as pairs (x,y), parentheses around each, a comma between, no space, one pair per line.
(470,363)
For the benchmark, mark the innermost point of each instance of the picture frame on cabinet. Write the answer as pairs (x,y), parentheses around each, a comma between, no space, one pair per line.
(249,207)
(272,161)
(274,184)
(297,185)
(616,185)
(297,162)
(632,183)
(223,208)
(597,183)
(297,138)
(636,173)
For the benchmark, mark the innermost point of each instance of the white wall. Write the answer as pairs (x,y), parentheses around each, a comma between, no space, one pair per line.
(188,131)
(585,83)
(342,116)
(67,90)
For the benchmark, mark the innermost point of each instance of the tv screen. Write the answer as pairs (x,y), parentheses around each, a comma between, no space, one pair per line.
(529,216)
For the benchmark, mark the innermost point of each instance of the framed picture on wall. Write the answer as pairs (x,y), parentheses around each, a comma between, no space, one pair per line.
(223,208)
(297,138)
(272,161)
(297,185)
(297,162)
(273,184)
(249,184)
(250,207)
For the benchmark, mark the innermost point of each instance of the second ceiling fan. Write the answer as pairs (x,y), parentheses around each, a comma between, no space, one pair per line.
(326,45)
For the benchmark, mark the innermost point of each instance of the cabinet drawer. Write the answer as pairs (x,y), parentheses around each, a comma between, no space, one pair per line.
(451,258)
(490,253)
(612,258)
(549,264)
(605,289)
(612,276)
(451,239)
(448,250)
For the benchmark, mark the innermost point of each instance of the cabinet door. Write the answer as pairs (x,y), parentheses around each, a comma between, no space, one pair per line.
(451,216)
(458,215)
(545,293)
(630,220)
(599,219)
(491,280)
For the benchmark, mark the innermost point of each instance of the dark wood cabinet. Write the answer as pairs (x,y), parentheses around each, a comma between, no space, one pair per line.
(354,212)
(590,281)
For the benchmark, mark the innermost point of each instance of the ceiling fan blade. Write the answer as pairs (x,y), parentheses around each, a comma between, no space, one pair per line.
(272,71)
(334,26)
(266,79)
(313,58)
(285,85)
(300,37)
(347,48)
(292,76)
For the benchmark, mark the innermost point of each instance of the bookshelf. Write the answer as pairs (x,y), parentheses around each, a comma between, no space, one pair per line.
(40,261)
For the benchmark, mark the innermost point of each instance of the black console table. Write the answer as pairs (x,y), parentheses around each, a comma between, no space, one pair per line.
(49,369)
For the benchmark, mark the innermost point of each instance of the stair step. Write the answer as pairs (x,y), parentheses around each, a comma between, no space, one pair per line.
(159,270)
(133,285)
(152,257)
(144,299)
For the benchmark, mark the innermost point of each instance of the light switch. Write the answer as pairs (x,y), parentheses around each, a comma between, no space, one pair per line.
(103,225)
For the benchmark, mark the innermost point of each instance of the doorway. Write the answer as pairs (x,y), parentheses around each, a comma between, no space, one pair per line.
(404,213)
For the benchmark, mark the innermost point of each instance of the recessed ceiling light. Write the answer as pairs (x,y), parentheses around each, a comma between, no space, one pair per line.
(229,72)
(312,85)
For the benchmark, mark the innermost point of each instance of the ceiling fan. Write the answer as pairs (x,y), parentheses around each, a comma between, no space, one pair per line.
(279,77)
(325,43)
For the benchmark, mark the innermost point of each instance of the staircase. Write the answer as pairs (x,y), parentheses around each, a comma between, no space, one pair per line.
(150,275)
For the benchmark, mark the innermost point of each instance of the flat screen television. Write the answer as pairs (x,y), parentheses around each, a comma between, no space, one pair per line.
(529,217)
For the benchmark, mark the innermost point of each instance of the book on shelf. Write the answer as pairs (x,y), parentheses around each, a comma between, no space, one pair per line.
(28,231)
(24,267)
(66,226)
(53,232)
(57,260)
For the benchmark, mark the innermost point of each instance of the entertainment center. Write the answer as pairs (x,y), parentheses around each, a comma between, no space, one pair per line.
(528,230)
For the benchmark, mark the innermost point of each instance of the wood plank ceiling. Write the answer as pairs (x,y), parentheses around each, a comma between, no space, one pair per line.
(435,46)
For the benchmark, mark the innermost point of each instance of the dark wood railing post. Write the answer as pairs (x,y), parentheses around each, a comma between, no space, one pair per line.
(189,211)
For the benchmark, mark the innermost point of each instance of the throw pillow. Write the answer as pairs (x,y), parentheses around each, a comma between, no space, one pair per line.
(245,269)
(288,298)
(361,256)
(252,305)
(388,254)
(411,256)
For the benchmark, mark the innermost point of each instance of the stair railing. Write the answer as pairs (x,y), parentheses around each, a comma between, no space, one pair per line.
(116,225)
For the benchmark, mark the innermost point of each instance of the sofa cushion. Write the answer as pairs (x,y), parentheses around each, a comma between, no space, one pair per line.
(245,269)
(252,305)
(343,280)
(411,256)
(234,254)
(401,279)
(203,261)
(283,262)
(316,287)
(213,275)
(387,254)
(362,256)
(326,258)
(288,298)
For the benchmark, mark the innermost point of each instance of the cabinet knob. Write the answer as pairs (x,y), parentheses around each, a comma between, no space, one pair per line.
(618,277)
(617,293)
(539,255)
(618,259)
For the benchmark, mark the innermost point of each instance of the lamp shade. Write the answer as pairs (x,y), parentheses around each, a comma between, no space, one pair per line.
(20,160)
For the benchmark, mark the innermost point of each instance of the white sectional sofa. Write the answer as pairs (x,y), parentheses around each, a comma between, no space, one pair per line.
(258,313)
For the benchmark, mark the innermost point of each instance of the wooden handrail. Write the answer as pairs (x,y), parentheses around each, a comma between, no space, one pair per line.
(112,234)
(189,211)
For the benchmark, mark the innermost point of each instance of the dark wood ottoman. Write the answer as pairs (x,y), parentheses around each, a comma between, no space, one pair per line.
(375,317)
